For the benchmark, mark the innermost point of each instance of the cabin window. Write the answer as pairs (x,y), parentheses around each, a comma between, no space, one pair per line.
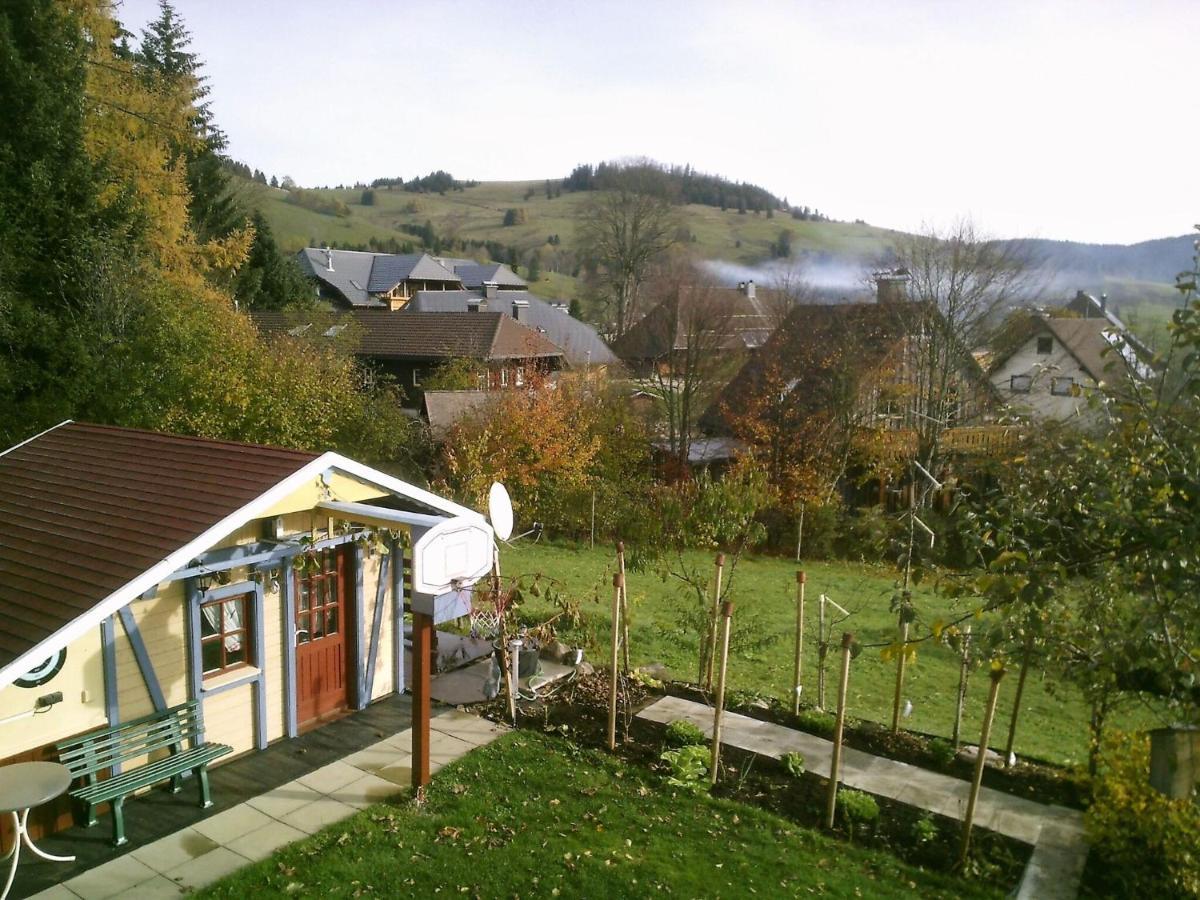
(1045,346)
(225,634)
(1020,384)
(319,599)
(519,376)
(416,378)
(1063,386)
(504,378)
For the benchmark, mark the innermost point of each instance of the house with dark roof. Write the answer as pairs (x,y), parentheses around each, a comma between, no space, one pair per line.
(1052,365)
(374,280)
(581,344)
(856,368)
(410,346)
(735,321)
(141,571)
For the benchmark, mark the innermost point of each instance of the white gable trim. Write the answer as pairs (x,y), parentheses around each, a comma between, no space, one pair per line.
(254,509)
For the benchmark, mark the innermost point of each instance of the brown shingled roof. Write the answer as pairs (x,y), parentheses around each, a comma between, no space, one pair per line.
(88,508)
(428,335)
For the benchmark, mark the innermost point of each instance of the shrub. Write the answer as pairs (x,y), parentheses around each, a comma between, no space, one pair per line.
(816,722)
(858,809)
(942,752)
(689,768)
(794,763)
(924,830)
(1143,843)
(682,733)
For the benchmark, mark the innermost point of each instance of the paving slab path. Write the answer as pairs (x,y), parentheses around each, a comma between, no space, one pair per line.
(1055,832)
(228,840)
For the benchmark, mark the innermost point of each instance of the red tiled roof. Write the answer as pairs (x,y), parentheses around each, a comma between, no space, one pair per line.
(88,508)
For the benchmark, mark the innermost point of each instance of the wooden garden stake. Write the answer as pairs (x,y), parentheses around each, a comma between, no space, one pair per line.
(618,584)
(712,627)
(822,652)
(1012,725)
(801,578)
(980,761)
(900,663)
(624,608)
(964,671)
(719,711)
(835,763)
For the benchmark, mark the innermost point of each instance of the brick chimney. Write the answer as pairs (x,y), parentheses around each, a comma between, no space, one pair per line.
(891,286)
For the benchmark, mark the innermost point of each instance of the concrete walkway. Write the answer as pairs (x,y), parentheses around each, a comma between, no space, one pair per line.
(1055,832)
(214,847)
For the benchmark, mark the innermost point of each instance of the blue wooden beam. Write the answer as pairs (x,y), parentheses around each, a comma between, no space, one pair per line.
(360,701)
(260,660)
(260,554)
(108,656)
(381,594)
(195,665)
(145,665)
(287,594)
(397,616)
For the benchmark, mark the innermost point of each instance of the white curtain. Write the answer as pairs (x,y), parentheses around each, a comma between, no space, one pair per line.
(233,614)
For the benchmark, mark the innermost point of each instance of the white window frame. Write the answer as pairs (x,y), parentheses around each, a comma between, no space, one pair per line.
(504,376)
(519,376)
(416,377)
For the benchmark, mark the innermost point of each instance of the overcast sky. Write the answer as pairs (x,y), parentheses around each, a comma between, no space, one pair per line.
(1048,119)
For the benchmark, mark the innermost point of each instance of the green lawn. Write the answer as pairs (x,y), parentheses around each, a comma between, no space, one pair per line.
(532,816)
(1052,726)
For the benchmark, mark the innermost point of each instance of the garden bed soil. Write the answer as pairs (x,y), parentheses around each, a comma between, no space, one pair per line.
(579,711)
(1031,779)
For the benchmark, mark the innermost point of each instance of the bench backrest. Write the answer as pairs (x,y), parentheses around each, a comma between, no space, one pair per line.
(99,750)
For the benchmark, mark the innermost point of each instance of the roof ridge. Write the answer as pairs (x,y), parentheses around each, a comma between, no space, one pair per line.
(34,437)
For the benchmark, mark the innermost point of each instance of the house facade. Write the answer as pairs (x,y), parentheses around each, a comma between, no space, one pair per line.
(1055,365)
(140,570)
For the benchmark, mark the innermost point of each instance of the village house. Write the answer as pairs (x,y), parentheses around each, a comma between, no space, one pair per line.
(412,346)
(1054,364)
(242,593)
(700,319)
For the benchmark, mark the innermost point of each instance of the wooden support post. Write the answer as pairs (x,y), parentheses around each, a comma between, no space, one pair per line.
(422,641)
(1016,710)
(900,664)
(714,623)
(801,578)
(618,586)
(964,672)
(624,608)
(822,653)
(719,710)
(835,764)
(980,762)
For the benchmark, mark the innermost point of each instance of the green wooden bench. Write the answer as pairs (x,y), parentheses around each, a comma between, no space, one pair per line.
(94,754)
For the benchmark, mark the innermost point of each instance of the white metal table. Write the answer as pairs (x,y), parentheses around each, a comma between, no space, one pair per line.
(22,787)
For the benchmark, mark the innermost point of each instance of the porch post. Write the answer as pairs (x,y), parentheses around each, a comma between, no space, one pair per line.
(422,639)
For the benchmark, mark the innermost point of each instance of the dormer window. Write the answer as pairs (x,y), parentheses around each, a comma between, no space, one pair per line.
(1045,346)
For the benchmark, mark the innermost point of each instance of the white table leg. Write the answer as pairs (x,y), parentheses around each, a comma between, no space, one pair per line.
(29,843)
(15,853)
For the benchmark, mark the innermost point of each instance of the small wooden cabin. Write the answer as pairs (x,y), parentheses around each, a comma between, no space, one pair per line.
(141,570)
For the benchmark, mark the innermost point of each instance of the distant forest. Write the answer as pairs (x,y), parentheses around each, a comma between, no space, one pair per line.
(687,185)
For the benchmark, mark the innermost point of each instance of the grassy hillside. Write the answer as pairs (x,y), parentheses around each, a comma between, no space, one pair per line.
(477,213)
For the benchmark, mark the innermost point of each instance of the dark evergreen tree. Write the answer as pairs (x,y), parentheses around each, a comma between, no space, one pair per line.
(268,279)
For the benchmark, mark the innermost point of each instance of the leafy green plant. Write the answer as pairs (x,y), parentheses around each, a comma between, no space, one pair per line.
(682,733)
(816,722)
(924,830)
(689,768)
(859,810)
(1143,842)
(794,763)
(942,752)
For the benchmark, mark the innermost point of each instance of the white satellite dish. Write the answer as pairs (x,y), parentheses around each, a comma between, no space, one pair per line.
(500,511)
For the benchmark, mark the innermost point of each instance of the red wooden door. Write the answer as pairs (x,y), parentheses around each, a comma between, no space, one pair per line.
(321,626)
